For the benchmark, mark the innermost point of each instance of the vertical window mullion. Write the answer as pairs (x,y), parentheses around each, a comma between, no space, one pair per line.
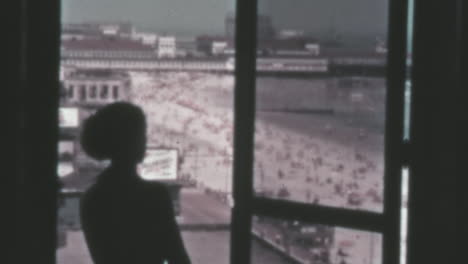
(37,239)
(244,122)
(394,149)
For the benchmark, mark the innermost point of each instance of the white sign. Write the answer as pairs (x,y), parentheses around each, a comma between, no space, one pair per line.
(308,229)
(159,164)
(68,117)
(64,169)
(66,147)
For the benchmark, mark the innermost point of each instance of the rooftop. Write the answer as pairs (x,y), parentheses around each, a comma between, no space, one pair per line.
(106,44)
(97,74)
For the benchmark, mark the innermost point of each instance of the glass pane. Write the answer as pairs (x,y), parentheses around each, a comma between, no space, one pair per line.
(281,241)
(404,214)
(172,58)
(321,93)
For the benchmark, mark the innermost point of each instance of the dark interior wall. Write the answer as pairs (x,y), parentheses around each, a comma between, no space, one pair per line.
(462,132)
(10,124)
(435,122)
(36,133)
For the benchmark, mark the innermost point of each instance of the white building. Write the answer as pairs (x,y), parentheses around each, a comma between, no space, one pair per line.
(290,33)
(313,48)
(146,38)
(95,87)
(109,29)
(65,72)
(106,48)
(167,47)
(71,36)
(381,46)
(62,73)
(218,47)
(230,51)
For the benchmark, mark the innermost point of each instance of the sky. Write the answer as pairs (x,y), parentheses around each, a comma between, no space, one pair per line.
(207,16)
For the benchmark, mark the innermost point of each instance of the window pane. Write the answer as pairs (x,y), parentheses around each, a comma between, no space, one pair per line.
(83,93)
(321,96)
(115,92)
(171,58)
(281,241)
(93,92)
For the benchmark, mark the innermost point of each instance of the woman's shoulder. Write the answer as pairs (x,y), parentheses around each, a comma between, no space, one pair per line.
(94,191)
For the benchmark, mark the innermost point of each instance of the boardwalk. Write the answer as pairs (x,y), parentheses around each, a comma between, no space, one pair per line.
(218,65)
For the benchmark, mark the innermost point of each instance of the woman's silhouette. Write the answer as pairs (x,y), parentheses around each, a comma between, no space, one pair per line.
(125,219)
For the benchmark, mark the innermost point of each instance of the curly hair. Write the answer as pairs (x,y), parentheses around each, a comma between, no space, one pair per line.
(117,129)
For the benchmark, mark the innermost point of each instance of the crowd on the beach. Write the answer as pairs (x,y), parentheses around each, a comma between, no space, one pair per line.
(183,113)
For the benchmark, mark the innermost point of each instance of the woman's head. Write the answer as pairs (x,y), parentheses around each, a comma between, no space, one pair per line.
(117,132)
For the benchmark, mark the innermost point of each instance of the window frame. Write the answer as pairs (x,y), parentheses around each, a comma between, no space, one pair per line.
(34,123)
(246,204)
(83,93)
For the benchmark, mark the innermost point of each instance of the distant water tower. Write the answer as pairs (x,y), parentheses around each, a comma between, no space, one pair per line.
(263,6)
(265,24)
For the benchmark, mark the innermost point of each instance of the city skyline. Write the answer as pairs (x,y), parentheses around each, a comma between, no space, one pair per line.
(190,18)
